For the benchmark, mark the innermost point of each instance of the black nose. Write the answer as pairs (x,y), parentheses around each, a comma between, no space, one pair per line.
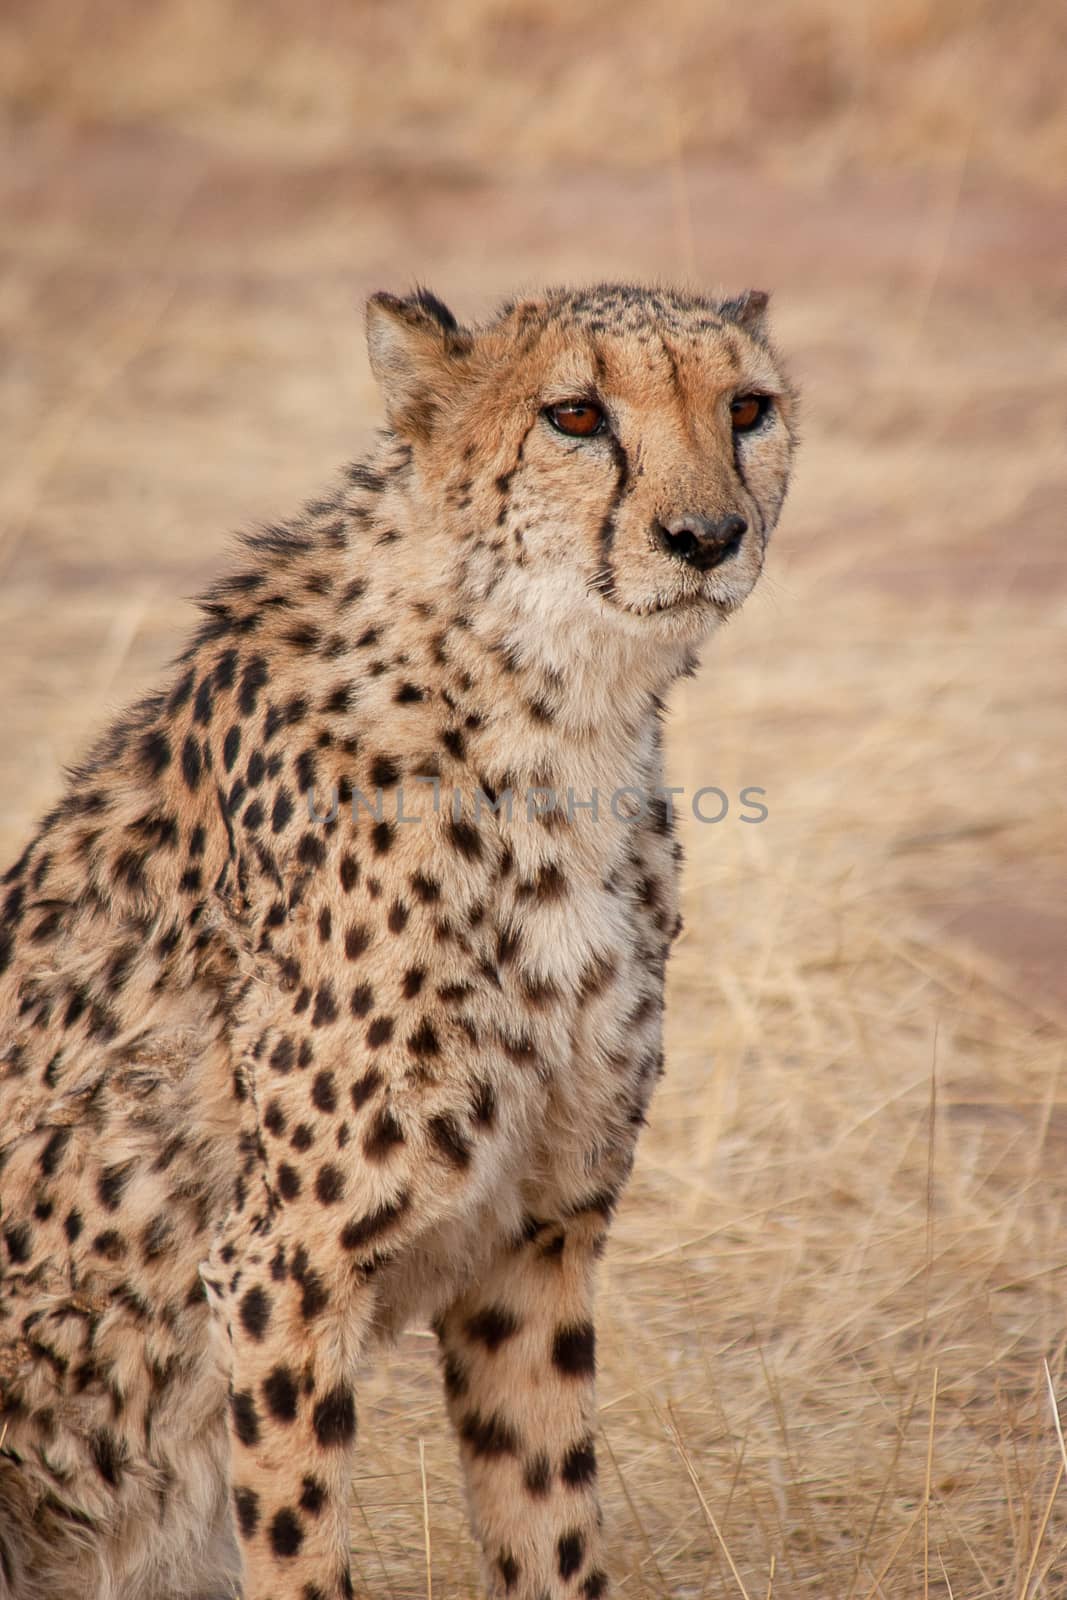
(701,543)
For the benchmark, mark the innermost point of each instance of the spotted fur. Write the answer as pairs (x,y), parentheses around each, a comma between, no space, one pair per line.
(281,1074)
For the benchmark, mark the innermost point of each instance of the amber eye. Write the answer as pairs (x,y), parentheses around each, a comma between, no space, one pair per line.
(578,418)
(748,411)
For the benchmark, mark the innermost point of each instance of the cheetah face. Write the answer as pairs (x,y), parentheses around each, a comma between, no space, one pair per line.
(617,452)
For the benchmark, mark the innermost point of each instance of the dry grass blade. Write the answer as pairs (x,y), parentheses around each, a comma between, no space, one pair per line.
(1055,1414)
(426,1520)
(926,1489)
(892,1556)
(1024,1591)
(687,1461)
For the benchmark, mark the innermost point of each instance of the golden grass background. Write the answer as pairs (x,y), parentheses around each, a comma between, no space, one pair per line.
(840,1270)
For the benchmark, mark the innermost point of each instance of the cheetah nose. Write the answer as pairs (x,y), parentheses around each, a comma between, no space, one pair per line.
(700,542)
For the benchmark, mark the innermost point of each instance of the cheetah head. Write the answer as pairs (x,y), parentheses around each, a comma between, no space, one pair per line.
(612,458)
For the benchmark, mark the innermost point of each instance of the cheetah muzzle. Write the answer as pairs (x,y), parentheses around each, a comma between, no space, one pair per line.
(307,1035)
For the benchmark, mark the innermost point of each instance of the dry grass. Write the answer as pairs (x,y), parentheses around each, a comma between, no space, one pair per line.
(809,88)
(839,1272)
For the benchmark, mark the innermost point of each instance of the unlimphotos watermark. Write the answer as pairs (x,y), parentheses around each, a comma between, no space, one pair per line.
(629,804)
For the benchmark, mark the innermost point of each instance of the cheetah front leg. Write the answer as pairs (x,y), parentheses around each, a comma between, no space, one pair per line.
(297,1324)
(519,1368)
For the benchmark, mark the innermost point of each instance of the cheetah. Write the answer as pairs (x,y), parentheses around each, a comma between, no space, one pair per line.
(332,987)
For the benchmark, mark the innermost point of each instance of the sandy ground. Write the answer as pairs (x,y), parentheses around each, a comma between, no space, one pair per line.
(840,1269)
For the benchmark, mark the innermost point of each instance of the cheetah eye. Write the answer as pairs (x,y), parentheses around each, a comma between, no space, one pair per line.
(580,419)
(747,411)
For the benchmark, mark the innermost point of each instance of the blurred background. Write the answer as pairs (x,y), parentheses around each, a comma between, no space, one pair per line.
(835,1306)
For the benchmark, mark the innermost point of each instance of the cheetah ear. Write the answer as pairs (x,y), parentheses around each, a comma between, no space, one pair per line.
(414,344)
(748,310)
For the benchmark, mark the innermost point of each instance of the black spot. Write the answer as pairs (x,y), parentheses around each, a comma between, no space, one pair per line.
(357,940)
(254,1312)
(574,1350)
(192,765)
(286,1534)
(72,1225)
(157,1237)
(305,636)
(155,751)
(349,872)
(384,772)
(283,1055)
(108,1455)
(324,1092)
(466,839)
(365,1087)
(253,678)
(380,1032)
(274,1119)
(226,669)
(383,1136)
(398,916)
(450,1141)
(424,1041)
(334,1418)
(305,771)
(310,852)
(75,1006)
(412,982)
(19,1240)
(408,694)
(280,1393)
(303,1137)
(510,1570)
(179,695)
(595,1586)
(314,1295)
(579,1464)
(571,1550)
(362,1002)
(361,1230)
(483,1104)
(204,703)
(426,889)
(329,1185)
(288,1180)
(111,1184)
(456,1383)
(492,1326)
(454,743)
(381,838)
(255,770)
(537,1476)
(129,869)
(52,1154)
(325,925)
(313,1496)
(245,1417)
(325,1007)
(283,810)
(488,1436)
(253,816)
(246,1509)
(111,1245)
